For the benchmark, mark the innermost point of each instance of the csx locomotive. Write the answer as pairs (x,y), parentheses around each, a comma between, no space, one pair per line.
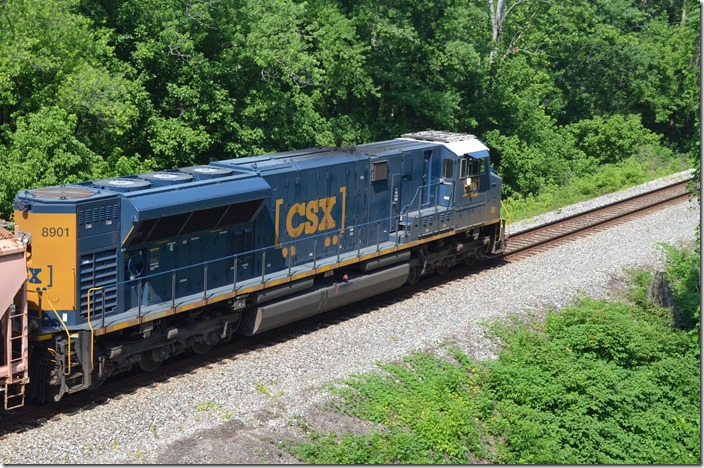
(129,271)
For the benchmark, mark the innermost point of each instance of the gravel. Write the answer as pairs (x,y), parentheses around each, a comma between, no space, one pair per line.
(232,412)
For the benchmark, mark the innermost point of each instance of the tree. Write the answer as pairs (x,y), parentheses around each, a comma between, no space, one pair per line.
(50,55)
(44,151)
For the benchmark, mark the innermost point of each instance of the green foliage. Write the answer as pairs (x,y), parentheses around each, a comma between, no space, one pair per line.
(618,57)
(593,183)
(393,446)
(606,383)
(597,383)
(426,407)
(638,282)
(684,276)
(683,273)
(612,140)
(52,56)
(564,87)
(45,151)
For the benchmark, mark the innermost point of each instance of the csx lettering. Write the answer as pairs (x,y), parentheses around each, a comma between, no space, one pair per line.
(34,275)
(310,217)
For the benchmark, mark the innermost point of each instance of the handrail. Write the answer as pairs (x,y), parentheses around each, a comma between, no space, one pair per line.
(372,225)
(68,335)
(508,220)
(90,325)
(373,238)
(418,190)
(437,185)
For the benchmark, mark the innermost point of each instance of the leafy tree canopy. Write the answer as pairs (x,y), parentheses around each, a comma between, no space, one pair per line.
(553,87)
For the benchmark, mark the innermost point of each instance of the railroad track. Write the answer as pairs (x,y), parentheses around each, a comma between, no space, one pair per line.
(544,236)
(520,245)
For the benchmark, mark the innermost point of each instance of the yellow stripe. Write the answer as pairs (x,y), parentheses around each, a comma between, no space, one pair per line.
(128,235)
(279,202)
(343,191)
(42,337)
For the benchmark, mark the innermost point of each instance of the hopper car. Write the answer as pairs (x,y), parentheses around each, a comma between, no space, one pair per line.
(14,336)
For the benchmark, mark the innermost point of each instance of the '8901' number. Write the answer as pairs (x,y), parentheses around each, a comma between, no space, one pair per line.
(54,232)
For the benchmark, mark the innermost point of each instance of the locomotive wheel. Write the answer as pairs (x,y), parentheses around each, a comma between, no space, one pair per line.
(470,258)
(42,386)
(443,266)
(151,360)
(201,347)
(205,345)
(413,275)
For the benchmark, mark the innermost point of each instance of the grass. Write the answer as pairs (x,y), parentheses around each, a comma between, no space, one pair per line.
(605,179)
(596,383)
(206,405)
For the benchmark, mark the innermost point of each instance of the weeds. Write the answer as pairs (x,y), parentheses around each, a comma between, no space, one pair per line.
(596,383)
(265,390)
(206,405)
(152,429)
(604,179)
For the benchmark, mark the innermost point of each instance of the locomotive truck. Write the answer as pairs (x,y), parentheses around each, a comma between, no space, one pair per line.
(128,271)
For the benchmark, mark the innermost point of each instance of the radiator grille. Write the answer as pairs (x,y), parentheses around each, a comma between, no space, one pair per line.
(98,270)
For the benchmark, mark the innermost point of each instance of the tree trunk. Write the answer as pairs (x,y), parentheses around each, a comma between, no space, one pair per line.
(659,292)
(497,9)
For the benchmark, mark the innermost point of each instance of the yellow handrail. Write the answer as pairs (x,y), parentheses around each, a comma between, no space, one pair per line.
(68,335)
(508,218)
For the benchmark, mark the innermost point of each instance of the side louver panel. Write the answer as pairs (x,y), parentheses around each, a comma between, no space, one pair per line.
(98,270)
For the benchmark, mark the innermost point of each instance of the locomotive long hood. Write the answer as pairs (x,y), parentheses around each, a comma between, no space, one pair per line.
(168,212)
(172,202)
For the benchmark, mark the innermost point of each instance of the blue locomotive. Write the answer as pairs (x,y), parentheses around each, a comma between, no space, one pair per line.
(132,270)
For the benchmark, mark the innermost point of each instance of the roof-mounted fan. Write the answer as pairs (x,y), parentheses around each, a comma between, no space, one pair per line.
(122,184)
(206,172)
(63,193)
(162,178)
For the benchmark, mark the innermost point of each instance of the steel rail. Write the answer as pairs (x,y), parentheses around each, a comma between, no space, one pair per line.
(585,222)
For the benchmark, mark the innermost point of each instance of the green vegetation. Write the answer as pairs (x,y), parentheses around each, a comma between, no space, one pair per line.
(574,98)
(596,383)
(566,94)
(603,180)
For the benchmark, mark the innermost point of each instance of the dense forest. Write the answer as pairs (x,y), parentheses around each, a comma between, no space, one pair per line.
(90,88)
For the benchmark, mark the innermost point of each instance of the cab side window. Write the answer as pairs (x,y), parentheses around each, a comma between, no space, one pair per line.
(448,169)
(470,166)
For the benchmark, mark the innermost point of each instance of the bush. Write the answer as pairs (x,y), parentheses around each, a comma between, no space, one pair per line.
(598,382)
(612,139)
(599,181)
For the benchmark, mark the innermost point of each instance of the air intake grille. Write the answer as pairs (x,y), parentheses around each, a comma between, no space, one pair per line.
(98,213)
(98,270)
(243,240)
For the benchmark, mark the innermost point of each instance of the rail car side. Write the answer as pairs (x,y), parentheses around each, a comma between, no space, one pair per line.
(131,270)
(14,353)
